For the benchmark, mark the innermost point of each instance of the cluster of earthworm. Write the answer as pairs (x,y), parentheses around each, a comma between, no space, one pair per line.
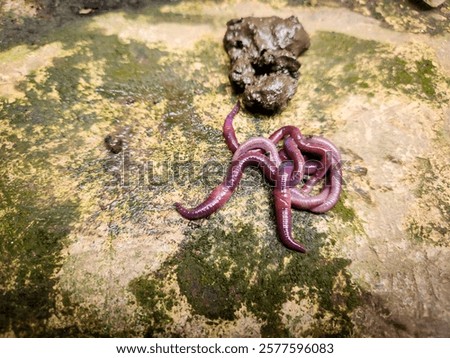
(292,162)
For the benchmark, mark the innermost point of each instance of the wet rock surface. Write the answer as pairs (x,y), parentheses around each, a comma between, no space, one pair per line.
(263,54)
(91,244)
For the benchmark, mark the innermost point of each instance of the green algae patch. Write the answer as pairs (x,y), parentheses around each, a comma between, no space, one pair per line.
(347,214)
(421,78)
(219,272)
(155,303)
(224,264)
(335,66)
(168,106)
(337,48)
(242,268)
(38,207)
(62,187)
(338,65)
(33,229)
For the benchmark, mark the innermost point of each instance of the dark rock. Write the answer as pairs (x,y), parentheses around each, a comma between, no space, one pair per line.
(263,52)
(114,144)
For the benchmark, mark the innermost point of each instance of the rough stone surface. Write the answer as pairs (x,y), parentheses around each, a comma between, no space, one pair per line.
(90,243)
(263,52)
(434,3)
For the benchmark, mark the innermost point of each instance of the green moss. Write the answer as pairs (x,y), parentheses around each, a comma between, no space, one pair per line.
(417,79)
(35,218)
(340,48)
(345,213)
(155,304)
(335,66)
(218,272)
(133,73)
(153,75)
(257,274)
(426,74)
(31,238)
